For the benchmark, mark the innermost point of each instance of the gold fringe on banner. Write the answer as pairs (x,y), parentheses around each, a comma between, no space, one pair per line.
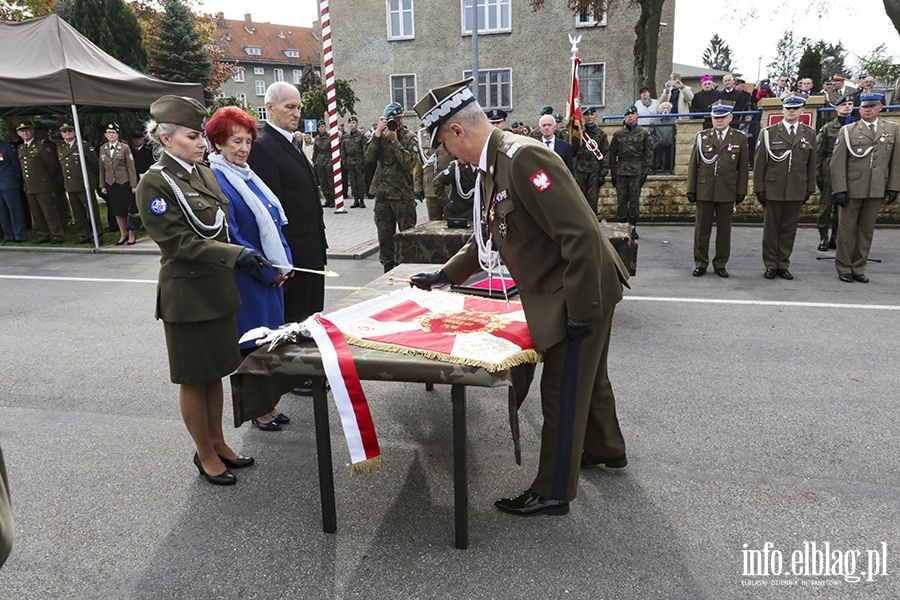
(370,465)
(519,358)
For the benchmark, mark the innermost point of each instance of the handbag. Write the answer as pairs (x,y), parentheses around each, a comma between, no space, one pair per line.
(133,221)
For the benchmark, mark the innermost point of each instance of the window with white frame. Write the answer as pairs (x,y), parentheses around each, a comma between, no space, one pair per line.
(260,88)
(253,50)
(298,75)
(292,53)
(239,76)
(494,87)
(587,18)
(279,74)
(493,16)
(592,83)
(242,98)
(261,113)
(403,90)
(258,70)
(400,19)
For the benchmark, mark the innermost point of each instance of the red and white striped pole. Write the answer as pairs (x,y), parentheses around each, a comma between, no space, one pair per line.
(331,98)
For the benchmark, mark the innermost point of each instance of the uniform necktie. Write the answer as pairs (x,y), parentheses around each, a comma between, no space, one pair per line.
(195,172)
(792,131)
(721,136)
(872,127)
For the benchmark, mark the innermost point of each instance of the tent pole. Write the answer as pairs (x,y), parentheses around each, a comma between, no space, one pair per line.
(89,193)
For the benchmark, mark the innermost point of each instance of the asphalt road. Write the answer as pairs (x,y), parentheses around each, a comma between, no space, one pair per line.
(756,412)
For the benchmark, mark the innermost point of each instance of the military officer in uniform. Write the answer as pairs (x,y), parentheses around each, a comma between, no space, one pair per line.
(394,150)
(324,167)
(457,181)
(825,141)
(186,214)
(70,157)
(569,280)
(353,149)
(865,169)
(591,164)
(497,118)
(118,180)
(717,179)
(784,177)
(40,171)
(630,160)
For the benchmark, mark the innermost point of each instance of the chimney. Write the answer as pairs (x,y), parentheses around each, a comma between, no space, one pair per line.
(248,23)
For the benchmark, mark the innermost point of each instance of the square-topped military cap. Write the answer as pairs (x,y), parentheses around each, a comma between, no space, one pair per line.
(441,103)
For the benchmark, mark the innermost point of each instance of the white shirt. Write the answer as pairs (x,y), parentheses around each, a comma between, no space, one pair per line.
(284,132)
(482,161)
(873,123)
(187,166)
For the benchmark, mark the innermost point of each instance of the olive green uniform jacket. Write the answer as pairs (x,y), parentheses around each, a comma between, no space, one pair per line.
(728,176)
(70,162)
(630,152)
(196,278)
(548,239)
(118,168)
(789,179)
(873,175)
(40,167)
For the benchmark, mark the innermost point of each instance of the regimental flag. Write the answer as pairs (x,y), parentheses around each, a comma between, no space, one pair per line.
(451,327)
(574,118)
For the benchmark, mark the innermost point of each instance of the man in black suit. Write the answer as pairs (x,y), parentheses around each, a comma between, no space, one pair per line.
(557,144)
(142,154)
(281,164)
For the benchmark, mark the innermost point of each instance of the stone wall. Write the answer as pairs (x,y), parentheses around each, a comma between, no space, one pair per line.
(663,196)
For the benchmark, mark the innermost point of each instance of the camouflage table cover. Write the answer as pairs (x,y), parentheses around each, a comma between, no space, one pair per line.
(263,377)
(433,242)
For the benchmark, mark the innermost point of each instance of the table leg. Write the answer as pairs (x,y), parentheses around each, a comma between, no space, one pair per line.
(460,484)
(323,452)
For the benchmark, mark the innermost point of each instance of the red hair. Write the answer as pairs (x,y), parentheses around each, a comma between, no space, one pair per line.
(225,121)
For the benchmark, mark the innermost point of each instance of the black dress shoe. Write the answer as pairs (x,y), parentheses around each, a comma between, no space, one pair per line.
(769,274)
(529,504)
(304,389)
(722,272)
(270,426)
(610,462)
(238,463)
(846,278)
(861,278)
(785,274)
(699,272)
(282,419)
(226,478)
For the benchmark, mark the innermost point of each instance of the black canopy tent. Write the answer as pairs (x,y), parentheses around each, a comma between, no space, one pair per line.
(48,67)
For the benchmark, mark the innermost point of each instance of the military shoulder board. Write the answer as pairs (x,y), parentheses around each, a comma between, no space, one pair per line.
(513,148)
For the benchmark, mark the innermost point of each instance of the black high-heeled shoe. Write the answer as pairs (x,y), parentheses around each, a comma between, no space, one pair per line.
(226,478)
(121,242)
(238,463)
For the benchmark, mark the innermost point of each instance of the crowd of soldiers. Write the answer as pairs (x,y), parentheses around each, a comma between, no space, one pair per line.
(42,185)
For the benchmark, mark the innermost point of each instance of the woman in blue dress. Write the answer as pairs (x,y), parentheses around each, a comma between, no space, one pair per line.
(255,221)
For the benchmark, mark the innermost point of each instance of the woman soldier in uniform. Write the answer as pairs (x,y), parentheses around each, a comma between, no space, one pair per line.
(119,180)
(197,299)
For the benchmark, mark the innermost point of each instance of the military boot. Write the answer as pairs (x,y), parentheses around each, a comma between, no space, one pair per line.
(823,239)
(362,203)
(355,203)
(389,266)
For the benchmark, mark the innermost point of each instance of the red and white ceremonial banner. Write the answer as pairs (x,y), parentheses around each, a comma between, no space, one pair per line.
(574,118)
(456,328)
(337,360)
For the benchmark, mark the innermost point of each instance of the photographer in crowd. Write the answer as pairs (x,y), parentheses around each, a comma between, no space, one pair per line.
(393,149)
(677,94)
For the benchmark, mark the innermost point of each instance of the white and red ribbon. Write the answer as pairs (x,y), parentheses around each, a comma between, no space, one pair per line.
(337,360)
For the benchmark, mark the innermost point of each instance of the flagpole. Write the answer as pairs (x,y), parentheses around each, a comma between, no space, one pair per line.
(331,98)
(475,50)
